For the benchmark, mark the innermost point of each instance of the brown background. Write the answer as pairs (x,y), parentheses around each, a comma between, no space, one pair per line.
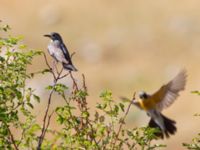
(124,46)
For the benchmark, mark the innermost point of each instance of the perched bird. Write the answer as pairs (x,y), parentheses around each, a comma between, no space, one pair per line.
(59,52)
(163,98)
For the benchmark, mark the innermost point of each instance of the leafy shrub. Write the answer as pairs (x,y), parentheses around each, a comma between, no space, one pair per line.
(79,128)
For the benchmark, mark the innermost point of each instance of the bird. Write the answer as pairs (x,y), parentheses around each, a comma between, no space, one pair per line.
(153,104)
(59,51)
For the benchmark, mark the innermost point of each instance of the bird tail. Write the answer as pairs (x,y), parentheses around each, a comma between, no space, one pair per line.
(169,126)
(69,67)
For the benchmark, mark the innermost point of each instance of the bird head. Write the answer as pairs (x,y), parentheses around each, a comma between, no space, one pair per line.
(143,95)
(54,36)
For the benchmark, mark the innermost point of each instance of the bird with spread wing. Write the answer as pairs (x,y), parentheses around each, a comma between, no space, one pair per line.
(161,99)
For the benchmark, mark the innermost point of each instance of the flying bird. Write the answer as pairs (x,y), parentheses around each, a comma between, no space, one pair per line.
(153,104)
(59,51)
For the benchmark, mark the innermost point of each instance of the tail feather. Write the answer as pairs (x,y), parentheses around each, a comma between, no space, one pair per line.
(153,124)
(170,128)
(69,67)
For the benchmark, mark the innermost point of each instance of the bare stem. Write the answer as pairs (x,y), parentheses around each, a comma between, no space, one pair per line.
(122,120)
(75,86)
(11,137)
(41,138)
(46,120)
(51,70)
(72,54)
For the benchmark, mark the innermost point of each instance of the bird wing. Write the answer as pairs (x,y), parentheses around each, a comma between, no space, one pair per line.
(168,93)
(65,52)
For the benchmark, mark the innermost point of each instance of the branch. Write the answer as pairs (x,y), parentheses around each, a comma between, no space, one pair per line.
(46,121)
(84,84)
(41,138)
(11,137)
(51,70)
(57,76)
(72,54)
(123,119)
(23,133)
(74,82)
(64,76)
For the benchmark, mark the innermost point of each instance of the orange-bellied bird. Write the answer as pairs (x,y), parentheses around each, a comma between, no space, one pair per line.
(59,52)
(153,104)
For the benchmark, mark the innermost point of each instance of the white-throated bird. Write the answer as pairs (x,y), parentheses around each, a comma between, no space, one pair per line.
(153,104)
(59,52)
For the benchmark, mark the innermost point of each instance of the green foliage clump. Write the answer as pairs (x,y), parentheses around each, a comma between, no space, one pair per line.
(16,99)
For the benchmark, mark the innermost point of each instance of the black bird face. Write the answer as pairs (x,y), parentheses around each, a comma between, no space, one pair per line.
(54,36)
(143,95)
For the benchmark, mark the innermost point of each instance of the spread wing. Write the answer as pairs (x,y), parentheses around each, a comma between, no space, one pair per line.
(168,93)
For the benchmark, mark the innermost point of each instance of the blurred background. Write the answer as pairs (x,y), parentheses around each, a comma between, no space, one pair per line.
(124,46)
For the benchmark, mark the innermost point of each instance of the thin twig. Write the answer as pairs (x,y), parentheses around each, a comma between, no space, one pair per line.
(74,82)
(123,119)
(11,137)
(72,54)
(55,66)
(46,61)
(84,84)
(46,120)
(41,138)
(64,76)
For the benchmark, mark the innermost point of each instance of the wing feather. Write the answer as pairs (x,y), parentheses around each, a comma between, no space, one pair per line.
(168,93)
(65,52)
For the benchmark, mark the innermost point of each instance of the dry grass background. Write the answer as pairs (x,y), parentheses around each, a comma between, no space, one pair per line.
(124,46)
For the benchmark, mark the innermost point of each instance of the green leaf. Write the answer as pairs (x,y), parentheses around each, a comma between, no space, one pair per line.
(81,94)
(196,92)
(106,95)
(121,106)
(45,71)
(50,87)
(30,105)
(60,88)
(85,114)
(22,46)
(37,98)
(2,59)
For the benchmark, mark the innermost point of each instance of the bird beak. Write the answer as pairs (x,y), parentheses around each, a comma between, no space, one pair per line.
(47,35)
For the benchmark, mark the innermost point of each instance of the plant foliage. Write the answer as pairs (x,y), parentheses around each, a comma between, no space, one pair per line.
(79,129)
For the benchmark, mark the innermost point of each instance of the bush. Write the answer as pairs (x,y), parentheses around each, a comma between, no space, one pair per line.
(104,129)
